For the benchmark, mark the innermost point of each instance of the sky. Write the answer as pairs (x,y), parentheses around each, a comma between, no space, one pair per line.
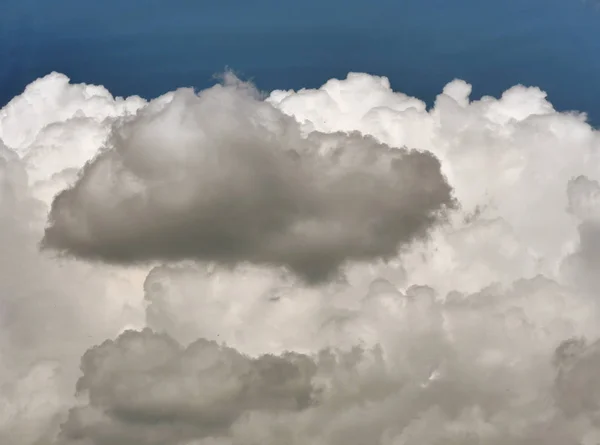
(419,45)
(379,226)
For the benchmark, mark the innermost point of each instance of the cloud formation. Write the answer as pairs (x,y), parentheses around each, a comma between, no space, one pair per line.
(443,373)
(483,331)
(144,388)
(224,177)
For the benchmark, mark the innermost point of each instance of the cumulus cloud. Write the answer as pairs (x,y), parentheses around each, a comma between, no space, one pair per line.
(444,373)
(144,388)
(222,176)
(483,329)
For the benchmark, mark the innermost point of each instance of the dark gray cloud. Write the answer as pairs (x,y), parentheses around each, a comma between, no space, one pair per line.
(145,388)
(223,176)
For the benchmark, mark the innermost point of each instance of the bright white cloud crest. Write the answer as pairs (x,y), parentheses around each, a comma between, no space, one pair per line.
(331,266)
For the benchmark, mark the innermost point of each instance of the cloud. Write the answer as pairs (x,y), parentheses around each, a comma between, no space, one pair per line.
(480,329)
(224,177)
(473,376)
(144,388)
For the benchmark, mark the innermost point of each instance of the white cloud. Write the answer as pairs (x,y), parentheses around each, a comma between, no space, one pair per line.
(469,335)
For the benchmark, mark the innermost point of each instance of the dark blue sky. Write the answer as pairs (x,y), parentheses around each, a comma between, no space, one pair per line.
(148,47)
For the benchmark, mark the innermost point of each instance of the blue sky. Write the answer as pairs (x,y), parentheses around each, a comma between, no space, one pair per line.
(148,47)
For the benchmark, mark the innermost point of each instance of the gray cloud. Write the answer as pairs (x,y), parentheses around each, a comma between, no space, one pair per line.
(144,388)
(222,176)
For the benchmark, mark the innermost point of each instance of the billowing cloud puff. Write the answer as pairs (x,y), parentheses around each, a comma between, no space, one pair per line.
(225,177)
(144,388)
(484,331)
